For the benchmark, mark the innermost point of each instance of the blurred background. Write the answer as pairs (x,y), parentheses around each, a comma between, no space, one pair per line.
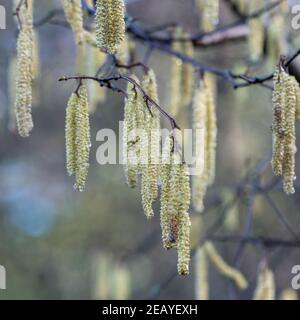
(56,243)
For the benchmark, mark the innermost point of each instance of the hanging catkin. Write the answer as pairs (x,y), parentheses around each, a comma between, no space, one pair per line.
(205,135)
(209,13)
(110,24)
(74,16)
(199,181)
(133,117)
(265,288)
(284,136)
(150,167)
(201,269)
(11,76)
(24,74)
(175,99)
(78,141)
(187,72)
(229,272)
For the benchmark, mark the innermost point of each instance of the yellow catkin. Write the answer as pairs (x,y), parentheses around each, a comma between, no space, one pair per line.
(278,126)
(187,72)
(110,24)
(199,181)
(211,128)
(289,294)
(201,269)
(284,135)
(130,142)
(265,288)
(123,55)
(297,89)
(102,270)
(290,137)
(209,13)
(81,58)
(73,12)
(150,146)
(11,75)
(256,39)
(24,74)
(277,42)
(121,283)
(36,68)
(175,99)
(222,266)
(78,140)
(165,193)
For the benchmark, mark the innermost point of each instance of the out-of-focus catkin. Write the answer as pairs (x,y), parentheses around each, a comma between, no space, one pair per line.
(78,140)
(187,72)
(201,269)
(24,74)
(110,24)
(209,13)
(289,294)
(229,272)
(74,16)
(256,38)
(265,288)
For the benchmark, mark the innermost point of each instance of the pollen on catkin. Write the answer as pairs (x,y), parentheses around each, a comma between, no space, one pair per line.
(284,136)
(74,16)
(78,140)
(209,13)
(130,143)
(201,269)
(110,25)
(24,74)
(265,288)
(222,266)
(150,144)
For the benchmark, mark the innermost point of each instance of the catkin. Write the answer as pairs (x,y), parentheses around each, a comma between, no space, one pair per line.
(151,147)
(205,137)
(289,294)
(176,76)
(209,13)
(121,283)
(74,16)
(284,135)
(129,136)
(201,269)
(187,73)
(24,74)
(256,39)
(229,272)
(78,140)
(265,288)
(11,75)
(110,25)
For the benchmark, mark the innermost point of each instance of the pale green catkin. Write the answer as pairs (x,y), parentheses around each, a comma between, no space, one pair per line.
(209,12)
(201,269)
(188,72)
(110,25)
(74,16)
(150,146)
(290,138)
(78,140)
(284,135)
(265,288)
(130,135)
(24,74)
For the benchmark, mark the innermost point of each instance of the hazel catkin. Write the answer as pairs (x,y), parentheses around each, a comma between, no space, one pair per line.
(24,74)
(78,140)
(110,25)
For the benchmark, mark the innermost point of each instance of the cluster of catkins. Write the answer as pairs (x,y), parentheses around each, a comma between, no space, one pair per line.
(286,110)
(143,158)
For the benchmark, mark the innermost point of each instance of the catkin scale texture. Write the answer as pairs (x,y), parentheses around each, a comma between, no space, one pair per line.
(24,74)
(110,25)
